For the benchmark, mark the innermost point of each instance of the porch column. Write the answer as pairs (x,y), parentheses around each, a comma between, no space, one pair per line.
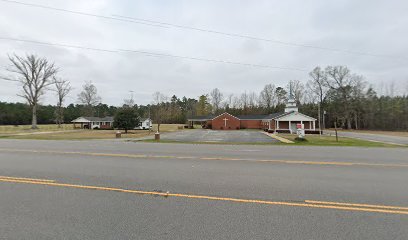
(277,125)
(314,125)
(290,127)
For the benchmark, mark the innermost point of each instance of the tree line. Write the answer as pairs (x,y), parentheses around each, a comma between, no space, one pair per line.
(334,95)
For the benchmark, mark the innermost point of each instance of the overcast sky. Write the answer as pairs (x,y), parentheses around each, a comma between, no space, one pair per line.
(376,27)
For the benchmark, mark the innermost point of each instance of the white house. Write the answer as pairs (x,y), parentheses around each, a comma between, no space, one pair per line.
(93,122)
(145,123)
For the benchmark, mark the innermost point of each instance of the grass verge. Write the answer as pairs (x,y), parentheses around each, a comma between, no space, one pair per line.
(316,140)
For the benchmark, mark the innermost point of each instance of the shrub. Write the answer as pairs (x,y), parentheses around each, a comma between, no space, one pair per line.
(298,139)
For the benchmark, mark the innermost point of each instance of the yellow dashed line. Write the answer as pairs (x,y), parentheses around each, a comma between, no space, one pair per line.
(208,158)
(378,209)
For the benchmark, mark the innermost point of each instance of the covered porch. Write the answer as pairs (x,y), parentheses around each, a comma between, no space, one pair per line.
(288,123)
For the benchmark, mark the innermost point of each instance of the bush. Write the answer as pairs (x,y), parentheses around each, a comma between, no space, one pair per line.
(298,139)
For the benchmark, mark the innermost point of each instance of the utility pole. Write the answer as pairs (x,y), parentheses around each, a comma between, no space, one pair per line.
(320,122)
(335,130)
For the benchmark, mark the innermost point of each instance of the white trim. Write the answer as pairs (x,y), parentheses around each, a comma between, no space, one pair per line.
(295,113)
(223,114)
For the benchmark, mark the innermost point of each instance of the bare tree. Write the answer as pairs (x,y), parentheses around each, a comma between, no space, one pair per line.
(318,87)
(391,89)
(236,102)
(343,83)
(267,97)
(244,101)
(89,97)
(229,101)
(216,99)
(161,109)
(35,74)
(130,102)
(252,99)
(63,88)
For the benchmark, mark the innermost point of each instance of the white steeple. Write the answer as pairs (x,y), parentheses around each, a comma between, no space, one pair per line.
(291,103)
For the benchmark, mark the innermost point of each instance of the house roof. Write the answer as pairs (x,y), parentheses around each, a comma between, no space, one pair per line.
(93,119)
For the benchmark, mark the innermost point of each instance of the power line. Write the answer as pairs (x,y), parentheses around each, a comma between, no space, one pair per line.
(161,24)
(80,13)
(293,44)
(8,79)
(122,51)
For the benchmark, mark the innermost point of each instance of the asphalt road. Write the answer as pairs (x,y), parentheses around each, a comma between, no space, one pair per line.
(205,135)
(373,137)
(125,190)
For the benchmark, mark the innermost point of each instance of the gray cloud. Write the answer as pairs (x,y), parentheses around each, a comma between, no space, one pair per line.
(366,26)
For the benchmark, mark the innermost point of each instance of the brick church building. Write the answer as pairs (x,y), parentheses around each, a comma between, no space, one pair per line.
(275,122)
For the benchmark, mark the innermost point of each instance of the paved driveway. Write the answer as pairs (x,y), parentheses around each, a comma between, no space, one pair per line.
(204,135)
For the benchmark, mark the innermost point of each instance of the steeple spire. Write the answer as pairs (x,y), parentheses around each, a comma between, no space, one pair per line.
(291,103)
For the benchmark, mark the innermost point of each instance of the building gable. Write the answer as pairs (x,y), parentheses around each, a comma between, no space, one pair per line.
(225,115)
(295,116)
(225,121)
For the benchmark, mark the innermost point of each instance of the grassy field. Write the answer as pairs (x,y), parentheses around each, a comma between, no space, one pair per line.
(11,129)
(316,140)
(51,132)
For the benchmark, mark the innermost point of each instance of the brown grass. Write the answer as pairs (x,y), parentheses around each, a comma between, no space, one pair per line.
(53,133)
(10,129)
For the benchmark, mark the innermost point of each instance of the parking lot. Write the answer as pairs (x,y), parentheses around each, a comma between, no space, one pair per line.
(205,135)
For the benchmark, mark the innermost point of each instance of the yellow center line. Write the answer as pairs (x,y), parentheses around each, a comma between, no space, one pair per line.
(215,198)
(356,205)
(28,179)
(334,163)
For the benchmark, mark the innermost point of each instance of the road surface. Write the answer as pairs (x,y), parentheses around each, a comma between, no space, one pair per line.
(399,140)
(126,190)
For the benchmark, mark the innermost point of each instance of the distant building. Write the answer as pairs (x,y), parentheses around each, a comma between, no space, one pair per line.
(93,123)
(275,122)
(145,123)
